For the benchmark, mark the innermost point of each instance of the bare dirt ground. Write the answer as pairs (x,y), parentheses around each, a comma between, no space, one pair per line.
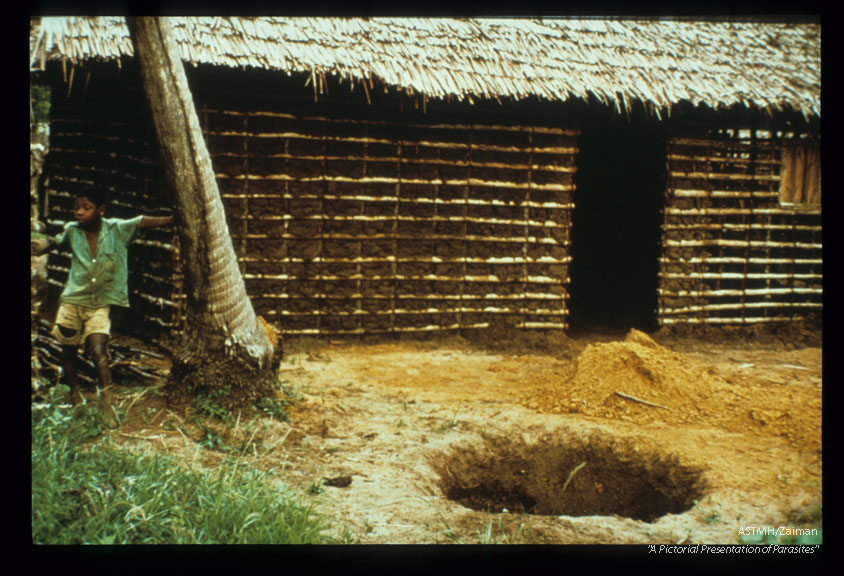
(606,438)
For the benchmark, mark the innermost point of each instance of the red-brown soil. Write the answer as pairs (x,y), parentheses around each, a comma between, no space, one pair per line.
(598,438)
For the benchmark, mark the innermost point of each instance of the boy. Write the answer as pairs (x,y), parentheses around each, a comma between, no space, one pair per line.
(97,280)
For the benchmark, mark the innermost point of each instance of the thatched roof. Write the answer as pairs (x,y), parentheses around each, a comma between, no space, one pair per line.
(659,62)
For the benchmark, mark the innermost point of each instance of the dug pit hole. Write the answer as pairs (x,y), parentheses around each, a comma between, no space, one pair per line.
(575,477)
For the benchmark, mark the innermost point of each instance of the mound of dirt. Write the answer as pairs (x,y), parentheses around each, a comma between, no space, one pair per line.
(635,379)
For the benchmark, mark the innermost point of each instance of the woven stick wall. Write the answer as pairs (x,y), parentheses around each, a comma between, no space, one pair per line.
(731,252)
(342,224)
(365,219)
(350,226)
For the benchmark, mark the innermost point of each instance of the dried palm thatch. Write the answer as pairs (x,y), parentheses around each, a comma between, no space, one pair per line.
(772,66)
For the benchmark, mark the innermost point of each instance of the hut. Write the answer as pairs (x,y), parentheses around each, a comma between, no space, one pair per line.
(391,175)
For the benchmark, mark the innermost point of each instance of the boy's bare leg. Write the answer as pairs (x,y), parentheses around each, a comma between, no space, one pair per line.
(98,350)
(69,367)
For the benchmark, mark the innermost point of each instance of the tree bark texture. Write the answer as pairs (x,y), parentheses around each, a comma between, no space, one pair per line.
(224,347)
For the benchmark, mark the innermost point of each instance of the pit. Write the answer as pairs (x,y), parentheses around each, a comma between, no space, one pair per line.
(574,477)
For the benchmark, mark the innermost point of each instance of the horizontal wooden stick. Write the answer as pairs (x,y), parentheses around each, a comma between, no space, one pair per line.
(397,160)
(782,211)
(153,244)
(381,237)
(640,401)
(740,260)
(739,306)
(160,321)
(724,176)
(400,218)
(740,320)
(429,328)
(728,227)
(497,202)
(55,268)
(543,325)
(155,277)
(411,260)
(731,143)
(128,350)
(141,373)
(679,193)
(743,244)
(395,180)
(747,292)
(138,437)
(399,297)
(428,278)
(403,312)
(729,160)
(56,367)
(158,301)
(739,276)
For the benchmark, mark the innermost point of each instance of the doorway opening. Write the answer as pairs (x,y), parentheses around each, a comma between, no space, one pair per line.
(616,224)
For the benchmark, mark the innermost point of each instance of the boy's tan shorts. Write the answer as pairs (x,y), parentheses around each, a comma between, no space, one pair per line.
(82,322)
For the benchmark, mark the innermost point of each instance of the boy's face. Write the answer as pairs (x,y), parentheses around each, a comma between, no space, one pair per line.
(86,212)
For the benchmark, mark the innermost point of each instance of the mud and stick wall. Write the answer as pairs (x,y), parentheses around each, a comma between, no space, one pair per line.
(732,251)
(353,217)
(366,221)
(347,225)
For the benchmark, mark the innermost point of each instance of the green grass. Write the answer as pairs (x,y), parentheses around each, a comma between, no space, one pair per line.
(208,407)
(93,492)
(447,426)
(499,533)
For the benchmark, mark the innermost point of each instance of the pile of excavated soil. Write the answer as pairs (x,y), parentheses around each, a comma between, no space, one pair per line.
(635,380)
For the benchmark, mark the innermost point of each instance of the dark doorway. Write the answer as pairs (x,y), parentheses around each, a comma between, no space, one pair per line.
(616,221)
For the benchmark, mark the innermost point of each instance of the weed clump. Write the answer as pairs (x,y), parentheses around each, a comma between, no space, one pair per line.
(88,491)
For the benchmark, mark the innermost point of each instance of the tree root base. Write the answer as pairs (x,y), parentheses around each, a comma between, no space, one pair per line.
(232,383)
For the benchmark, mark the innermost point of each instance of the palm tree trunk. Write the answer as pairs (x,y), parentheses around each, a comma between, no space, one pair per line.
(224,346)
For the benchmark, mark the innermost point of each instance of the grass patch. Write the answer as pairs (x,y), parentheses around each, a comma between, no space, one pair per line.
(500,533)
(207,406)
(274,408)
(92,492)
(447,426)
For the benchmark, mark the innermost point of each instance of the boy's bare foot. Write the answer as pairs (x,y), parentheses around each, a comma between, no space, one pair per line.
(107,409)
(109,417)
(106,397)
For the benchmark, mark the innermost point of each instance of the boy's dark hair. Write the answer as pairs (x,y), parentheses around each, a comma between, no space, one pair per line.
(94,194)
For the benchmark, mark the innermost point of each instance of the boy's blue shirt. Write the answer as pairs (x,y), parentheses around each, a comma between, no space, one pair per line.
(100,279)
